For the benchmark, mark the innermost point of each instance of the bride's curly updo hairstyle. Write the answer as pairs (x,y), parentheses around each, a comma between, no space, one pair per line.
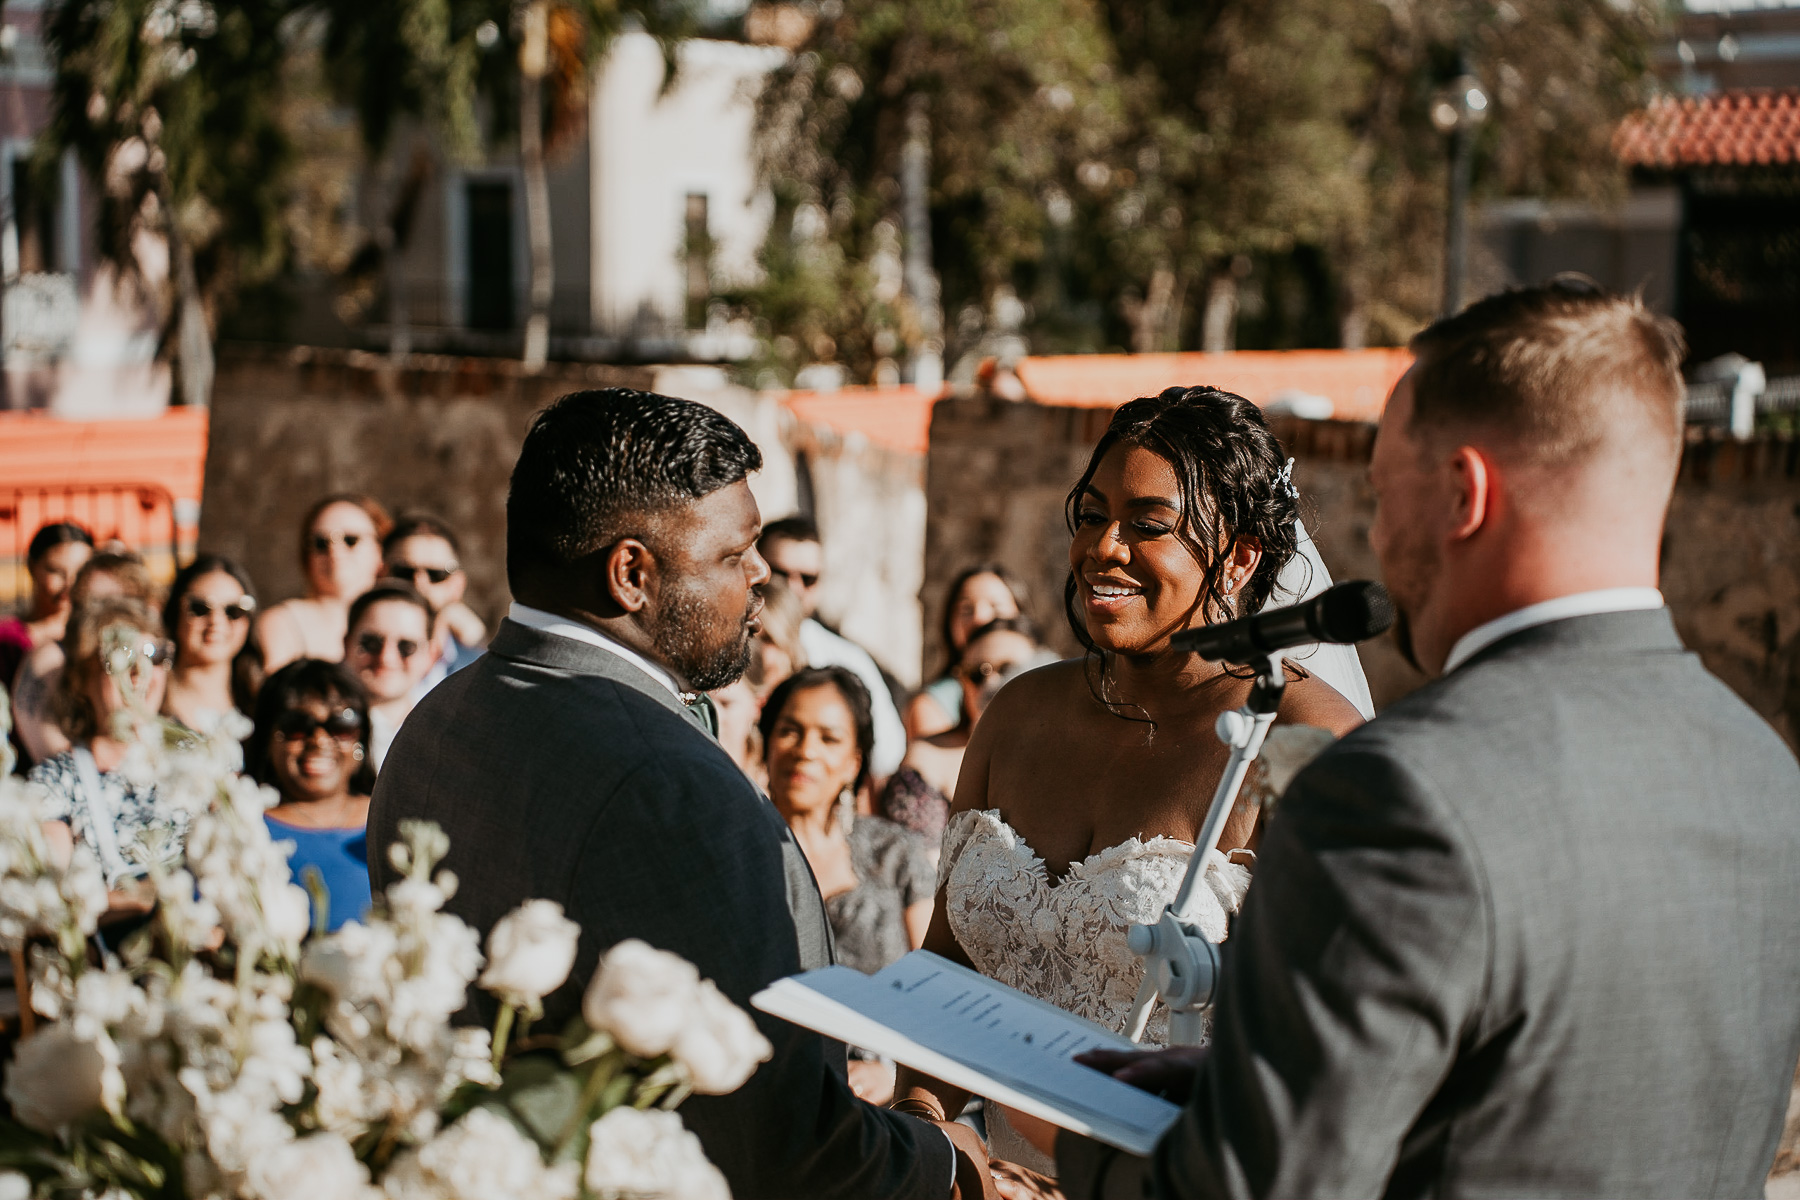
(1233,489)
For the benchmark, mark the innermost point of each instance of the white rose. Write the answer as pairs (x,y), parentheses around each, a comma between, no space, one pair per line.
(530,951)
(14,1186)
(720,1045)
(58,1077)
(642,996)
(320,1167)
(649,1154)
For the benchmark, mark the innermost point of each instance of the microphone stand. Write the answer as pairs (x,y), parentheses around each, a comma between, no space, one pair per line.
(1181,968)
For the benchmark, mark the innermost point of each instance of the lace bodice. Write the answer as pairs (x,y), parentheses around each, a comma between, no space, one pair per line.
(1065,941)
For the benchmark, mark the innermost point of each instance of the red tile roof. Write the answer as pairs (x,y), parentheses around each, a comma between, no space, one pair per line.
(1752,127)
(896,418)
(1357,382)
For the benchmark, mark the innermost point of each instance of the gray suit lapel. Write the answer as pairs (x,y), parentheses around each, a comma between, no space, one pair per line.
(525,644)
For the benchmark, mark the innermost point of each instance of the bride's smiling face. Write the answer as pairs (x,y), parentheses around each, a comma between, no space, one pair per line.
(1137,580)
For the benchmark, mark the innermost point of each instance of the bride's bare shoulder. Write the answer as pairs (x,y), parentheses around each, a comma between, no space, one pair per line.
(1039,692)
(1312,701)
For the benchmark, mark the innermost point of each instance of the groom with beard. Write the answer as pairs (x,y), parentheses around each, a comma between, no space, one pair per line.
(576,762)
(1535,929)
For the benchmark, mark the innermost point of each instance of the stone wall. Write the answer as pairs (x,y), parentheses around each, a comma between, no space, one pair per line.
(440,434)
(997,474)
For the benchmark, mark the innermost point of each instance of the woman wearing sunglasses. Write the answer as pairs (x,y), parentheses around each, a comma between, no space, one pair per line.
(85,796)
(389,648)
(340,555)
(208,613)
(920,793)
(311,746)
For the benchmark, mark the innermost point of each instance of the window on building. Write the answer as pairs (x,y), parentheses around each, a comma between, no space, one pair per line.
(490,232)
(34,221)
(698,251)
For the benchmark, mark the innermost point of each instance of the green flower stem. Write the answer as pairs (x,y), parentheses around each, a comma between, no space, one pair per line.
(601,1074)
(502,1032)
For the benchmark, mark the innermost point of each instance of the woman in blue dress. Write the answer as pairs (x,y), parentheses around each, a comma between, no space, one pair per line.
(312,745)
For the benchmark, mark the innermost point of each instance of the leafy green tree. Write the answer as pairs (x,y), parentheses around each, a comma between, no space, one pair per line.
(1558,74)
(174,106)
(1122,164)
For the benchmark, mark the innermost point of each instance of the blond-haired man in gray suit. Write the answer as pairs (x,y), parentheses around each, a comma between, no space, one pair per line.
(1534,930)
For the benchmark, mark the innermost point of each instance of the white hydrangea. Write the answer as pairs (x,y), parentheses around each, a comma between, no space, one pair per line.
(640,1154)
(320,1167)
(481,1157)
(530,952)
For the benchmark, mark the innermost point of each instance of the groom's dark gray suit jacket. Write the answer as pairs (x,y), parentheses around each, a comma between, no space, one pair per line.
(1533,931)
(561,771)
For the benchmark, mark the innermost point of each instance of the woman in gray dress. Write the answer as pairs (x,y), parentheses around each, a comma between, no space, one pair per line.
(875,876)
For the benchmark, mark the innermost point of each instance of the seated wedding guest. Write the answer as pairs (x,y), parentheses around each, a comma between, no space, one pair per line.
(87,799)
(775,652)
(874,875)
(817,733)
(388,648)
(423,551)
(795,555)
(919,794)
(340,555)
(106,575)
(53,558)
(207,615)
(979,594)
(311,745)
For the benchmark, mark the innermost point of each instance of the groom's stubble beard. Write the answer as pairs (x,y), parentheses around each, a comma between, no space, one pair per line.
(708,652)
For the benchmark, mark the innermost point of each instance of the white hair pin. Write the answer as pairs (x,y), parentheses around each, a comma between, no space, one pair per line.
(1285,480)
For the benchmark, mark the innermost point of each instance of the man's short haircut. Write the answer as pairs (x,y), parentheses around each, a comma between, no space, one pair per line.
(1551,368)
(419,524)
(797,528)
(389,589)
(597,466)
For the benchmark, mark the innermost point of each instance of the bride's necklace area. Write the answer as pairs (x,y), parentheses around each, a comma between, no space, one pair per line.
(1104,683)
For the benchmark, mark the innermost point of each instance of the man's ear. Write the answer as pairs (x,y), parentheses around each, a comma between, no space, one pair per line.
(1477,482)
(628,574)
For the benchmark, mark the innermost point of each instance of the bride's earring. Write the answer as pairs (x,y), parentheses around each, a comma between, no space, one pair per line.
(846,809)
(356,752)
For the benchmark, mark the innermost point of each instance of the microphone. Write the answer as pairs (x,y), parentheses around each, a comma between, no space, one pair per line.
(1353,611)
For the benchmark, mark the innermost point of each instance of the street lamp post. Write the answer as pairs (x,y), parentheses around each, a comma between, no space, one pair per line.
(1458,111)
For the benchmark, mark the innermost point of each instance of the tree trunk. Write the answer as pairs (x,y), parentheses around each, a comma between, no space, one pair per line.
(1149,317)
(533,62)
(193,341)
(1353,313)
(1218,323)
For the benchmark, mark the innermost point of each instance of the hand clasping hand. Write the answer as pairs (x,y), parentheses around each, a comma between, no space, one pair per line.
(1168,1073)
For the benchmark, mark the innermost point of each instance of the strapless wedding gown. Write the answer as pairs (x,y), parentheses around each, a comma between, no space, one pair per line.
(1064,941)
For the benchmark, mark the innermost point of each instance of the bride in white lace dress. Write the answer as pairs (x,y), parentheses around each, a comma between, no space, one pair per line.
(1085,782)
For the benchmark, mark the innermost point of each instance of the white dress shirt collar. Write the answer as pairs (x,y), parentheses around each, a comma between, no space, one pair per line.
(548,622)
(1580,604)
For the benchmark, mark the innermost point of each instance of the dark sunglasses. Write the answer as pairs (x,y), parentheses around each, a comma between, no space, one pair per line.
(982,672)
(237,610)
(805,579)
(322,542)
(373,644)
(435,574)
(297,724)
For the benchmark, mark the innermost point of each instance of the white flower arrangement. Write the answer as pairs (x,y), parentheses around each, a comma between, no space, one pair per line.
(219,1053)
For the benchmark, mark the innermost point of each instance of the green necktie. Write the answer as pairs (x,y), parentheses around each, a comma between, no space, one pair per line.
(705,713)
